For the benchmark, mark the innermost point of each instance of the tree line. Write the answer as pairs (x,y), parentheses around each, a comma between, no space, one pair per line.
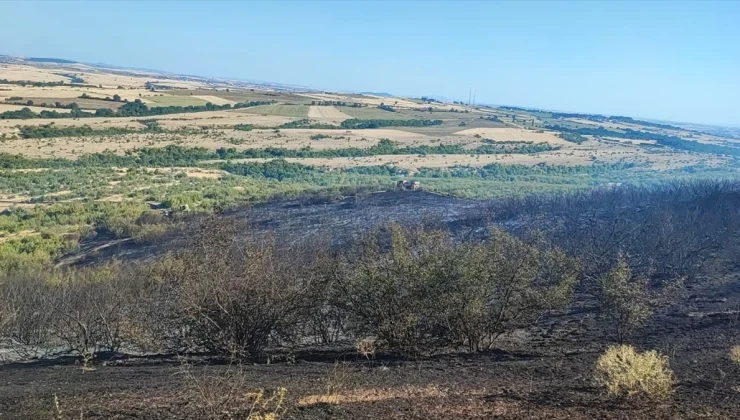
(51,130)
(174,155)
(355,123)
(128,109)
(338,103)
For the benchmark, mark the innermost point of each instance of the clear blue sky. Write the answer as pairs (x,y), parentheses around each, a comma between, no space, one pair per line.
(676,61)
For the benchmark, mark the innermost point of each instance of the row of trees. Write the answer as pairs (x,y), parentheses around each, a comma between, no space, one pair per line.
(356,124)
(128,109)
(174,155)
(572,137)
(338,103)
(51,130)
(25,83)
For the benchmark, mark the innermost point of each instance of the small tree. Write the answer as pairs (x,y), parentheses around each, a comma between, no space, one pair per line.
(624,298)
(381,287)
(235,297)
(493,288)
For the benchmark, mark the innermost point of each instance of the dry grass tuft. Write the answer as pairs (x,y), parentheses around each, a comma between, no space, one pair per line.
(225,394)
(367,347)
(625,372)
(735,354)
(372,395)
(267,407)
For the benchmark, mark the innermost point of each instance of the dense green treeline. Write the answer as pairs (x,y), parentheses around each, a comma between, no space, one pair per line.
(51,130)
(129,109)
(281,169)
(499,171)
(305,123)
(357,124)
(30,83)
(173,155)
(385,147)
(278,169)
(572,137)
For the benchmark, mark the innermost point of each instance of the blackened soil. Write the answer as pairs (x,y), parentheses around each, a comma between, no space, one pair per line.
(544,372)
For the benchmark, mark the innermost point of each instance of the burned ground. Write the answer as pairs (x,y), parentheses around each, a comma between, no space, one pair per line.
(291,220)
(545,370)
(542,372)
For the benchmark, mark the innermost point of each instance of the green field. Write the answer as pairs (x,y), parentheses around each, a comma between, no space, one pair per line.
(169,100)
(297,111)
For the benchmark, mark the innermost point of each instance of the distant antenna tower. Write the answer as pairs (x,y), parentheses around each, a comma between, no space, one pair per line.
(469,94)
(473,98)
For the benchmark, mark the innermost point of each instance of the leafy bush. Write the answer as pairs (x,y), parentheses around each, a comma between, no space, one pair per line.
(625,372)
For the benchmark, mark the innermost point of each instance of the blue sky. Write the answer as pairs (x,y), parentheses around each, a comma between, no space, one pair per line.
(677,61)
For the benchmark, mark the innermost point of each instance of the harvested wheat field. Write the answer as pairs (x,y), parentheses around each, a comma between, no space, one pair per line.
(327,112)
(217,100)
(514,134)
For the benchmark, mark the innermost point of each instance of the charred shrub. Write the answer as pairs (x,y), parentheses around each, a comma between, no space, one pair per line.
(234,297)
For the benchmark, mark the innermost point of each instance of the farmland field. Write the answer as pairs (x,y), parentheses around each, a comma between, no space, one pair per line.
(327,112)
(374,113)
(243,95)
(170,100)
(297,111)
